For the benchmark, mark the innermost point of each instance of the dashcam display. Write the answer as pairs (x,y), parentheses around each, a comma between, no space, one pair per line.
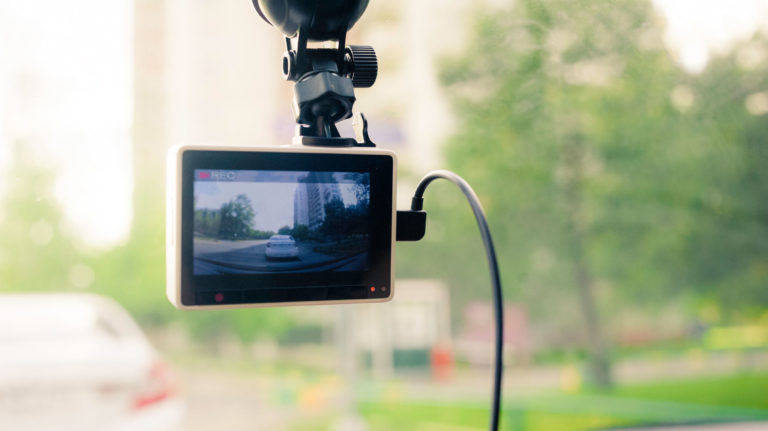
(272,222)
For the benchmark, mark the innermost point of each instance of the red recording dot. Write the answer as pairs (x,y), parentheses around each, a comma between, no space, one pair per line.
(373,289)
(219,297)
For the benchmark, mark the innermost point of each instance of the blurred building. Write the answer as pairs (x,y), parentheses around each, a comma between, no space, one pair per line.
(301,206)
(313,192)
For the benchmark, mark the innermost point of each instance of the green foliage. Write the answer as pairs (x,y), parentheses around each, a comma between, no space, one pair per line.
(342,222)
(574,127)
(362,188)
(245,324)
(580,135)
(258,234)
(726,238)
(207,222)
(232,221)
(300,232)
(611,177)
(36,253)
(334,225)
(236,218)
(356,218)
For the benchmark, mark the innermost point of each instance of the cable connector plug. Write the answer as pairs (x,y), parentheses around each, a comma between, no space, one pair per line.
(411,225)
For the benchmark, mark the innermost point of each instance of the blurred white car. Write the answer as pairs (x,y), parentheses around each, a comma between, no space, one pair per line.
(80,362)
(282,246)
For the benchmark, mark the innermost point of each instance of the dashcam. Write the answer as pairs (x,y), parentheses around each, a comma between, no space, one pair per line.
(249,227)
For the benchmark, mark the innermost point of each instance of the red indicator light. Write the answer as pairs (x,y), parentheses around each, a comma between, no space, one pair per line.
(218,297)
(373,289)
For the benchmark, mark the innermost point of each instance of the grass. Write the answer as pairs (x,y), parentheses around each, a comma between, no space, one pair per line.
(423,417)
(743,390)
(732,398)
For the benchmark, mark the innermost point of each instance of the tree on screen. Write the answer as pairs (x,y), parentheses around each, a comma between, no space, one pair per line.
(301,232)
(362,188)
(237,218)
(335,223)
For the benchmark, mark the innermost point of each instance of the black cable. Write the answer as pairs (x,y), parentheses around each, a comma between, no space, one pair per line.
(417,204)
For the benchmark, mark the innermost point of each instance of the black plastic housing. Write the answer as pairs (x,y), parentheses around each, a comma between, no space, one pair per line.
(321,19)
(411,225)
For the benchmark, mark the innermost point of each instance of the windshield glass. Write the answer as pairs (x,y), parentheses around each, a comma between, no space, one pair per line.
(619,149)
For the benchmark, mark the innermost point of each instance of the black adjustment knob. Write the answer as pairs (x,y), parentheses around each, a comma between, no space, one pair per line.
(362,65)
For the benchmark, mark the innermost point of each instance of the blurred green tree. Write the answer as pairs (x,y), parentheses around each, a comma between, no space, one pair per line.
(610,175)
(36,254)
(300,232)
(566,128)
(727,238)
(236,218)
(207,222)
(335,221)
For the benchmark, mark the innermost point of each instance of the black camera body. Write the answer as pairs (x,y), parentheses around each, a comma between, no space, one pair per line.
(251,227)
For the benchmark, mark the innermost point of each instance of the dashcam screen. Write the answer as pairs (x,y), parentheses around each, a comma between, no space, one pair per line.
(270,222)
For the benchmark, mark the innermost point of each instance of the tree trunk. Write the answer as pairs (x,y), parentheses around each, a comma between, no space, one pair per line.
(599,365)
(599,371)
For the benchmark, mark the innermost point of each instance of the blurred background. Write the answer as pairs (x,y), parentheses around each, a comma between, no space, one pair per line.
(619,148)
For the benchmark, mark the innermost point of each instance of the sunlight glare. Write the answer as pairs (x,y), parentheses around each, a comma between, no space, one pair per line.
(697,29)
(66,93)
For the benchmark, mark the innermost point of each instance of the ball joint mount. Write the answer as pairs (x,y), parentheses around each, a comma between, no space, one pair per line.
(324,69)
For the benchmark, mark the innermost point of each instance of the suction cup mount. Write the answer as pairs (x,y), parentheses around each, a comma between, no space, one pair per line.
(324,69)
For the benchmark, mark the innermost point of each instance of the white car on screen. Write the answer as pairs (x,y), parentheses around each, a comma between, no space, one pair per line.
(281,247)
(80,362)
